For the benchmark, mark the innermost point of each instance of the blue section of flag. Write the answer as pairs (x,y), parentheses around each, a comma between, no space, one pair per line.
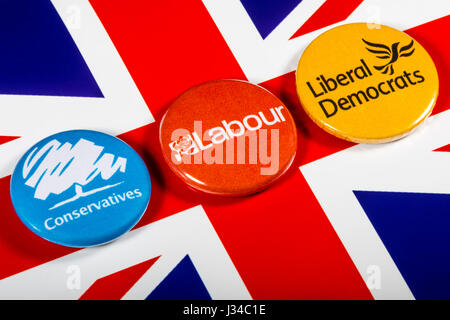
(38,55)
(415,229)
(182,283)
(267,14)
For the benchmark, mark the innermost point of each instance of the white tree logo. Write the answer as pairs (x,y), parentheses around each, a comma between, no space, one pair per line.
(58,167)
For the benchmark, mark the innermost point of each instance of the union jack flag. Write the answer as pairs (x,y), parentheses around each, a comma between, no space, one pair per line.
(345,222)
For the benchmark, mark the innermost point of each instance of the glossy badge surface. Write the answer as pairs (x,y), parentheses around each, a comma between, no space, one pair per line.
(80,188)
(367,83)
(228,137)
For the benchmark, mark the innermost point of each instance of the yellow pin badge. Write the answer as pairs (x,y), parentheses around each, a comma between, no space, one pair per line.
(367,84)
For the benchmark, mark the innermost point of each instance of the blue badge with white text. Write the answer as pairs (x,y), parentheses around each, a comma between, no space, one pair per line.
(80,188)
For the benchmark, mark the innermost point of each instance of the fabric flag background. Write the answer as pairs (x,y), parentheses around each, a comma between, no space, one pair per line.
(346,221)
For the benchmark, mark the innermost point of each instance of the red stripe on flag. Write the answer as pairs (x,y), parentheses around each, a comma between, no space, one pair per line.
(332,11)
(169,46)
(281,248)
(116,285)
(444,148)
(431,37)
(5,139)
(21,249)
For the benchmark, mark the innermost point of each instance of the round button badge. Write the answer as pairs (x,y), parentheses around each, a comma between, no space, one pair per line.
(367,84)
(228,137)
(80,188)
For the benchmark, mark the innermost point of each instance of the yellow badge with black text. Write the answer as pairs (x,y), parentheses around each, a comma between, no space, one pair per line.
(367,83)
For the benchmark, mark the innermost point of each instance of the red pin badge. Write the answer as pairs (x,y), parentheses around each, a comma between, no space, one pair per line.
(228,137)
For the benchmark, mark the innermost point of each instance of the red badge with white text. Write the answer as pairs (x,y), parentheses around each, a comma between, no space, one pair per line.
(228,137)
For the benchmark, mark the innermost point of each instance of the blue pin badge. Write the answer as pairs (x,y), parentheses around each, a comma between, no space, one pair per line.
(80,188)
